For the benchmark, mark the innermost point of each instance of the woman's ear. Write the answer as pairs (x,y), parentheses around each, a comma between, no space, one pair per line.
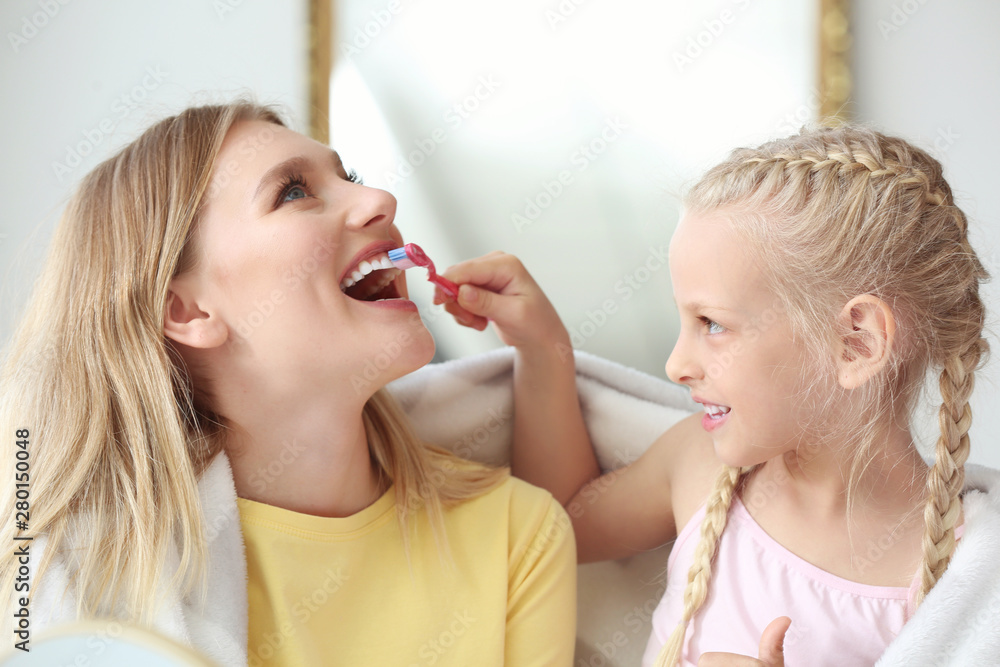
(186,323)
(868,330)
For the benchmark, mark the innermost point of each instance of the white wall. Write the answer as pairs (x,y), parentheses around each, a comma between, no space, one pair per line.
(80,79)
(930,72)
(475,167)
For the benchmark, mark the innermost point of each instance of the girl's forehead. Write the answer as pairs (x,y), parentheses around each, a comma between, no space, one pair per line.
(709,264)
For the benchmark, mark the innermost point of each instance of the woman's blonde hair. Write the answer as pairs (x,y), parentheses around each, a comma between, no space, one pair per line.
(119,433)
(830,214)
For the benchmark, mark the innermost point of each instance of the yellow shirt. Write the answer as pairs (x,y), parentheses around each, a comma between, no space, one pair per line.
(339,591)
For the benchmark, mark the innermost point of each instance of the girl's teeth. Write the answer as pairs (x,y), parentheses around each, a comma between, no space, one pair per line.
(365,268)
(716,411)
(357,275)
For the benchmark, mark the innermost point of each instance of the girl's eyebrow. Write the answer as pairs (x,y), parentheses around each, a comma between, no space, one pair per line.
(694,306)
(296,163)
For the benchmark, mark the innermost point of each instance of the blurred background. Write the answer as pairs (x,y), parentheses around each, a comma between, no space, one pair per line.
(562,131)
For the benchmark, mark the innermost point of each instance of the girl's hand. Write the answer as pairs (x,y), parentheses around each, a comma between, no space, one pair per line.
(771,652)
(551,446)
(497,288)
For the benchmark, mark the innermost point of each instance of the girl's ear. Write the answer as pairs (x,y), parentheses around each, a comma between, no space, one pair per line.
(868,329)
(185,323)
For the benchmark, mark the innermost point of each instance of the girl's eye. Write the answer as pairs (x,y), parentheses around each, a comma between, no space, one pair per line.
(353,177)
(713,327)
(294,192)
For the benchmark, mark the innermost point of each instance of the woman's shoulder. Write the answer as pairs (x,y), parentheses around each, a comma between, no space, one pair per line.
(515,498)
(527,511)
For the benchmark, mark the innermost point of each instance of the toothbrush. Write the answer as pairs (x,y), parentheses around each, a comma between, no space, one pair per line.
(411,255)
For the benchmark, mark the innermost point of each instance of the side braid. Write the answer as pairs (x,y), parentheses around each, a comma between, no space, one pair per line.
(833,213)
(716,514)
(947,475)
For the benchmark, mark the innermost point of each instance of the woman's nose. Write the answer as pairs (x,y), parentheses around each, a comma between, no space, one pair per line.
(372,208)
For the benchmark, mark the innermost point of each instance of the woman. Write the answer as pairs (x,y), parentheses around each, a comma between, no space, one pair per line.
(201,367)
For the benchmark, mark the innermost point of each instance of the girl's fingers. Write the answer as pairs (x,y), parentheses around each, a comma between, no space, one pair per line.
(495,271)
(465,318)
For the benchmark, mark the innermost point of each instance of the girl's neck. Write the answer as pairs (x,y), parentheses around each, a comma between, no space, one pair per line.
(819,477)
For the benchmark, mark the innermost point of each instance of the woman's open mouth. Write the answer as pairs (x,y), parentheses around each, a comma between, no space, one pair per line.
(373,279)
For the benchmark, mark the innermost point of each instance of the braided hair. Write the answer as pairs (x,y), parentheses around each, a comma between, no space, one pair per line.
(830,214)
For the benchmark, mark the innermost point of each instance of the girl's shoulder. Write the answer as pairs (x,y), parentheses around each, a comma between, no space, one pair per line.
(693,471)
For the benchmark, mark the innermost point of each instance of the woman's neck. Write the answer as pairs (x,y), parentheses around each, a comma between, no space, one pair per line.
(303,454)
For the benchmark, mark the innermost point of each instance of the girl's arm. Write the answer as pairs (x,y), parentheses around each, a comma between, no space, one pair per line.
(633,509)
(551,446)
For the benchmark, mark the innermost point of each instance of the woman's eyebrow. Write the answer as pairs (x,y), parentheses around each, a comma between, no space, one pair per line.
(293,164)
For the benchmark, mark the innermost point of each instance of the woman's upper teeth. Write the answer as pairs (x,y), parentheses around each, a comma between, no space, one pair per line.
(366,266)
(716,409)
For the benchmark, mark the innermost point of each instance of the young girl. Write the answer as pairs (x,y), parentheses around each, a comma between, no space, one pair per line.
(197,390)
(818,278)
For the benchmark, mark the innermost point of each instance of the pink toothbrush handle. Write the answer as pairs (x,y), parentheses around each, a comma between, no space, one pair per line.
(448,287)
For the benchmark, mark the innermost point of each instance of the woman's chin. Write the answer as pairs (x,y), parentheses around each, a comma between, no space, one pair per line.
(406,353)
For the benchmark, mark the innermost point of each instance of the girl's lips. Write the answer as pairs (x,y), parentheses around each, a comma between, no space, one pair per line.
(710,424)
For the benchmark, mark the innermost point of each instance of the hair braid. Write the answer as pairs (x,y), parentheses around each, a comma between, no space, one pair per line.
(833,213)
(946,477)
(696,591)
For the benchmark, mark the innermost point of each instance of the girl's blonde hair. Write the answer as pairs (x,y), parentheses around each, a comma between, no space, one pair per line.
(830,214)
(119,433)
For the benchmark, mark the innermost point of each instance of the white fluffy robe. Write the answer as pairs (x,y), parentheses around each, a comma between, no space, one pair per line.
(466,406)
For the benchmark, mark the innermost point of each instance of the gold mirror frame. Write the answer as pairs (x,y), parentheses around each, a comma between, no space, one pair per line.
(833,76)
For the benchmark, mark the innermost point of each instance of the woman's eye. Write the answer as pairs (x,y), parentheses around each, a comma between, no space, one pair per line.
(294,192)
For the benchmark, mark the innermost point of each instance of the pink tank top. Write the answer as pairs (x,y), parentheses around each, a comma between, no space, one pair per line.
(755,580)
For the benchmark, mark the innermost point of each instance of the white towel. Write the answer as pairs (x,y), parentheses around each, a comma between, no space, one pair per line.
(466,406)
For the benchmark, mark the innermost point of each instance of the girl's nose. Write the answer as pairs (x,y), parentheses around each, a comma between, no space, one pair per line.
(681,367)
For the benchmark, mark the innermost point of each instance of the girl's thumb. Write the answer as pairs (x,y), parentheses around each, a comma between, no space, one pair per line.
(772,642)
(476,300)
